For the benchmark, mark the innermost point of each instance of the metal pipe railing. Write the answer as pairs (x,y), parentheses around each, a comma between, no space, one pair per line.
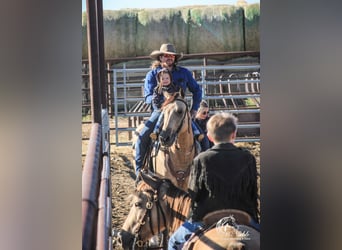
(90,188)
(123,72)
(103,226)
(96,192)
(103,239)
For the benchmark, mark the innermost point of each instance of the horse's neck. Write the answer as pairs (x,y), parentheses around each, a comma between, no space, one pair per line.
(183,150)
(185,138)
(179,208)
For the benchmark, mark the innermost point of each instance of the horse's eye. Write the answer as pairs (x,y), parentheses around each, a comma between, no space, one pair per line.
(137,204)
(179,111)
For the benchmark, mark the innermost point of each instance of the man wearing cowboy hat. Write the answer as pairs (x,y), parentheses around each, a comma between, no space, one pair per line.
(166,57)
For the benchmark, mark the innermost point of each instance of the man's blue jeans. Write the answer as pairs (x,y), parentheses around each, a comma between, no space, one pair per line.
(182,234)
(144,140)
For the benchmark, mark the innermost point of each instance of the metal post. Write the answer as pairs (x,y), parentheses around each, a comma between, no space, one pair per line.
(93,54)
(115,89)
(125,86)
(109,92)
(101,53)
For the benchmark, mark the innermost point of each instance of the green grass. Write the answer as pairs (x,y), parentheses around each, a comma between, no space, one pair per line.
(249,102)
(86,118)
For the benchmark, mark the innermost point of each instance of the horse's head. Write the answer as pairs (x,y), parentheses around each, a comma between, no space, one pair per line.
(147,215)
(176,112)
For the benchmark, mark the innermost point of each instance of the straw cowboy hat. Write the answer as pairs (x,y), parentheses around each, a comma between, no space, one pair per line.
(166,48)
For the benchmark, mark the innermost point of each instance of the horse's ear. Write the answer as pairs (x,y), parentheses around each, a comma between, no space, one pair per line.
(167,95)
(144,176)
(150,179)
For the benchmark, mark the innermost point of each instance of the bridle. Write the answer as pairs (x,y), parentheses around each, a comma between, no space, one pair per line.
(180,175)
(176,200)
(158,145)
(152,200)
(183,118)
(184,115)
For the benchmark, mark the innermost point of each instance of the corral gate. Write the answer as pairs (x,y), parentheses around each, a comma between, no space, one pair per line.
(228,88)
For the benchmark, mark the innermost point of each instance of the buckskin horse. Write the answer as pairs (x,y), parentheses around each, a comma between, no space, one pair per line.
(173,156)
(158,205)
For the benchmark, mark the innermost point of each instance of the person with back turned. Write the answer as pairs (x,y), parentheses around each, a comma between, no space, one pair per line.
(223,177)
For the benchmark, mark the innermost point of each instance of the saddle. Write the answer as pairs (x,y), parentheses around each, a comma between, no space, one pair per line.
(241,217)
(212,218)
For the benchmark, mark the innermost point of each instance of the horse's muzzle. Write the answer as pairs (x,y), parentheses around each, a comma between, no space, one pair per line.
(125,239)
(166,138)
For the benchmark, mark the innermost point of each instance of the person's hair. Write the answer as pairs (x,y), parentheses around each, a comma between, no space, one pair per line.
(160,73)
(203,105)
(163,71)
(156,63)
(221,125)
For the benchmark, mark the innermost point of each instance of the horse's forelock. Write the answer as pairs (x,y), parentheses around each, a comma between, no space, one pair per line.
(130,197)
(170,99)
(143,186)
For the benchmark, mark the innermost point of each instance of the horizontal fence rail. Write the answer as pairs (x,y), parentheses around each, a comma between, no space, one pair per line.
(126,105)
(125,100)
(96,189)
(90,187)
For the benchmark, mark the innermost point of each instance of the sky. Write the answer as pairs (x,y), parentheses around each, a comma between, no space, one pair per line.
(140,4)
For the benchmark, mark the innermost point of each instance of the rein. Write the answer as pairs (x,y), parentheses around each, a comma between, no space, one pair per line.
(152,199)
(185,113)
(164,203)
(180,175)
(155,147)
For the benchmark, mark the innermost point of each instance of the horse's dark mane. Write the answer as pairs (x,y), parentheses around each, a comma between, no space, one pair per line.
(174,191)
(179,202)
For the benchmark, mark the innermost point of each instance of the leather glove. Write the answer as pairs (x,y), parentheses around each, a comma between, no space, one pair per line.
(153,136)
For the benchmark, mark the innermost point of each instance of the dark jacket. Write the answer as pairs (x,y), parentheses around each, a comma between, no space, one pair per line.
(158,96)
(202,124)
(224,176)
(181,77)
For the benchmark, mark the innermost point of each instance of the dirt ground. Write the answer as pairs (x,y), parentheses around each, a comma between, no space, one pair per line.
(123,175)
